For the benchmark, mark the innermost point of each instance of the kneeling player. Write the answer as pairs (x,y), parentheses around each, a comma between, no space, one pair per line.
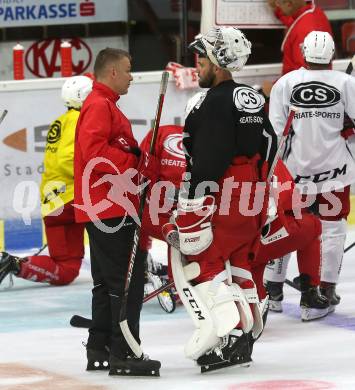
(292,229)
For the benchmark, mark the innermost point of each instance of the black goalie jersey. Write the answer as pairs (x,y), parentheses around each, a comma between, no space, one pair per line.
(226,122)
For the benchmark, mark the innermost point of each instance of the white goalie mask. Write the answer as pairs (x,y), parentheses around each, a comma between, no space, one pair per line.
(226,47)
(75,90)
(318,47)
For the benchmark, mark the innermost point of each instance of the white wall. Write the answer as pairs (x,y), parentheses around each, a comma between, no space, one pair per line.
(33,104)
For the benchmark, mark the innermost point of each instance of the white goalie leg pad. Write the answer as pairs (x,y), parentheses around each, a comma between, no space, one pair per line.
(276,270)
(210,305)
(333,240)
(255,323)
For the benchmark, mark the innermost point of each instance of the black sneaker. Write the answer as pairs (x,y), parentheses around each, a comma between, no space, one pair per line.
(234,350)
(275,292)
(9,264)
(97,359)
(328,290)
(134,366)
(313,304)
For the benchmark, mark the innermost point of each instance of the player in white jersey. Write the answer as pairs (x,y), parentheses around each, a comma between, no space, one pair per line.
(316,154)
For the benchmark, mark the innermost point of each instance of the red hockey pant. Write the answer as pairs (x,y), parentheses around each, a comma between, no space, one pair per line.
(65,240)
(304,237)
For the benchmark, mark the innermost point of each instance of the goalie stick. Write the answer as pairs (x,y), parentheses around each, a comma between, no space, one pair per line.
(131,341)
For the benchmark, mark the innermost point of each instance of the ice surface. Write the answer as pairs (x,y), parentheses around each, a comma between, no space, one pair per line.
(39,350)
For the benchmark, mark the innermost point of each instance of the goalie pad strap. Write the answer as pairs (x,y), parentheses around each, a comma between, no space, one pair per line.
(252,298)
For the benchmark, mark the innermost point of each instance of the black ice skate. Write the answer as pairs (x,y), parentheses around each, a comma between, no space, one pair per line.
(275,292)
(313,304)
(134,366)
(98,360)
(9,265)
(234,350)
(328,290)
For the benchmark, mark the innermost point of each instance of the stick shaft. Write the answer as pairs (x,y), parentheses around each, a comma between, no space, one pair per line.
(2,117)
(282,141)
(131,341)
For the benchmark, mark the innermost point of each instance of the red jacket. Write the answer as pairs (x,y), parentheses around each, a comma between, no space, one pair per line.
(102,131)
(300,24)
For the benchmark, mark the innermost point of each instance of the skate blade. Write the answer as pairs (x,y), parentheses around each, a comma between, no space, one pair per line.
(218,366)
(308,314)
(127,372)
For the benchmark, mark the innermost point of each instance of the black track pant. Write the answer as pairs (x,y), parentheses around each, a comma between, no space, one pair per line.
(109,262)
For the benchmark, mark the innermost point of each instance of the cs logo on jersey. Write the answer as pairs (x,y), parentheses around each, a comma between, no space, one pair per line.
(314,94)
(247,99)
(173,145)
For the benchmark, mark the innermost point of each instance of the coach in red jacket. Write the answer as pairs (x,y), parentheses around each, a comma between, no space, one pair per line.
(300,18)
(106,161)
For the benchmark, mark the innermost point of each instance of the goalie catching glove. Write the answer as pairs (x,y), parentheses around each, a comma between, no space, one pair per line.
(193,221)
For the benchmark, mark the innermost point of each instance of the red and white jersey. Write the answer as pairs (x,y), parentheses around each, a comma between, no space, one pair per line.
(169,150)
(315,151)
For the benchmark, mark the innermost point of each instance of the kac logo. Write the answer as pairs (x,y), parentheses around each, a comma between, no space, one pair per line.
(314,94)
(247,99)
(43,58)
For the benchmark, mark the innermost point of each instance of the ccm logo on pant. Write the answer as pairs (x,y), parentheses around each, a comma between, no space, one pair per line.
(193,303)
(322,176)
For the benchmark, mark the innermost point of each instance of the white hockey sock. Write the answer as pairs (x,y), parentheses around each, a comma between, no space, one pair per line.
(333,240)
(276,271)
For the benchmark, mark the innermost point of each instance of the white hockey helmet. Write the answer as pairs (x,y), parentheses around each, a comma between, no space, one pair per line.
(75,90)
(225,46)
(318,47)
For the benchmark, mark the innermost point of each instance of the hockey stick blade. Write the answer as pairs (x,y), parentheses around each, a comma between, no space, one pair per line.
(80,322)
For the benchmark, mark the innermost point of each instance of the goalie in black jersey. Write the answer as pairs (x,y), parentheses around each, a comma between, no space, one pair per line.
(229,145)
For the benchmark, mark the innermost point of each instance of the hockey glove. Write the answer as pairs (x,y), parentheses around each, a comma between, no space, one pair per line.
(128,145)
(193,220)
